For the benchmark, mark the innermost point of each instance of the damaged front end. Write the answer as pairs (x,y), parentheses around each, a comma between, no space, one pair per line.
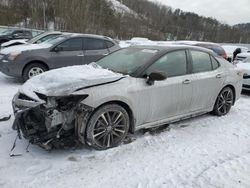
(51,122)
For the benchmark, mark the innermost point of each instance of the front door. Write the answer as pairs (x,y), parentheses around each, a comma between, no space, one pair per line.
(170,97)
(68,53)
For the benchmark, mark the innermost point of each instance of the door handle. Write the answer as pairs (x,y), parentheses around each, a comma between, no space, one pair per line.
(218,76)
(186,81)
(80,55)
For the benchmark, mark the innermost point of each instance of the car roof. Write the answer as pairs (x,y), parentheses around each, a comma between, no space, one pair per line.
(190,42)
(171,47)
(90,36)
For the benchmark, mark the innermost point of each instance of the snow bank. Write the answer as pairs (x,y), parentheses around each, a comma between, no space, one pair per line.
(229,49)
(142,42)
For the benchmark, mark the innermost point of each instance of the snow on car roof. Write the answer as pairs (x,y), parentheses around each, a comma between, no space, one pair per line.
(171,46)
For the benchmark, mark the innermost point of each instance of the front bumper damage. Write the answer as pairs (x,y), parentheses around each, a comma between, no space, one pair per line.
(53,122)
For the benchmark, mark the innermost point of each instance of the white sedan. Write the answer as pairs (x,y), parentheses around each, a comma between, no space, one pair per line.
(132,88)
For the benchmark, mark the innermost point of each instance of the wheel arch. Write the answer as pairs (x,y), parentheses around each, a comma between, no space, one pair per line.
(35,61)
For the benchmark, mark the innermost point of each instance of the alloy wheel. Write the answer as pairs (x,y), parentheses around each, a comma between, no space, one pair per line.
(34,71)
(109,129)
(225,101)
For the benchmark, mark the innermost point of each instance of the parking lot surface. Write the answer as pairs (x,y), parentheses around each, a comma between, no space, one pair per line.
(206,151)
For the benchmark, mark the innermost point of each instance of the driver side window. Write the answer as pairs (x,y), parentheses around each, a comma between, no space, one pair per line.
(172,64)
(75,44)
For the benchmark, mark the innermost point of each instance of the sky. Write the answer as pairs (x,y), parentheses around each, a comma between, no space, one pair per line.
(226,11)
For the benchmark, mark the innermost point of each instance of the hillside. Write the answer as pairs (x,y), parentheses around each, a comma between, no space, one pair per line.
(121,19)
(244,26)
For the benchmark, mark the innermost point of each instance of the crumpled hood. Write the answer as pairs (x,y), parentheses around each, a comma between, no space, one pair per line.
(24,47)
(64,81)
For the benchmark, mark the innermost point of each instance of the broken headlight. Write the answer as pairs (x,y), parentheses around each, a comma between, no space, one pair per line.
(68,102)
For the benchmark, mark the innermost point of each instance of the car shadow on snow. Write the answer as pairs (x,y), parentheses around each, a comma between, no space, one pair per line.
(9,80)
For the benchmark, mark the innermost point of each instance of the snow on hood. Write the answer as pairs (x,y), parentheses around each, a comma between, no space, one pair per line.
(23,41)
(66,80)
(24,47)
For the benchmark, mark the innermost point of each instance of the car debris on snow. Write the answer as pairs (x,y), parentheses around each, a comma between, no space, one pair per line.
(5,118)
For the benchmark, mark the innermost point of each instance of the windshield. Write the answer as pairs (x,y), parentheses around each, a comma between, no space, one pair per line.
(32,40)
(55,40)
(127,61)
(6,32)
(44,37)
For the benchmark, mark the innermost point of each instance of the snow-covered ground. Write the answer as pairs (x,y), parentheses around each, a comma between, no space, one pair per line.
(207,151)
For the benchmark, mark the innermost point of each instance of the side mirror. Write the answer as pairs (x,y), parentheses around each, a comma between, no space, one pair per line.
(58,49)
(16,35)
(156,76)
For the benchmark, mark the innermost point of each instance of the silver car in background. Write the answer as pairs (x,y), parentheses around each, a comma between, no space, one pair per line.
(131,89)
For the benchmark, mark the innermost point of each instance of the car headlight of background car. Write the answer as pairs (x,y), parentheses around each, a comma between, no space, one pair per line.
(13,56)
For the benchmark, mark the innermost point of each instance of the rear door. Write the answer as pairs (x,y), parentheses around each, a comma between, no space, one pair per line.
(208,79)
(94,49)
(67,53)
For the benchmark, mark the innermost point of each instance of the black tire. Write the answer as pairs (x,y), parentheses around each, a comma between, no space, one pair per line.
(107,127)
(224,102)
(27,74)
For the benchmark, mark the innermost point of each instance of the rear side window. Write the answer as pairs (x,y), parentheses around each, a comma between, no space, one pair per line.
(109,44)
(94,44)
(173,64)
(200,62)
(215,63)
(74,44)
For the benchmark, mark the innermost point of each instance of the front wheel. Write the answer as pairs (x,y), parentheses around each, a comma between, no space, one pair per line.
(224,102)
(107,127)
(32,70)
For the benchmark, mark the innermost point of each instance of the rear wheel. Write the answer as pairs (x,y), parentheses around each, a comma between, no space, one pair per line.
(32,70)
(108,127)
(224,102)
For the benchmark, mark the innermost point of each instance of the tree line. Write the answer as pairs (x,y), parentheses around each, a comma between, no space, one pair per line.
(147,19)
